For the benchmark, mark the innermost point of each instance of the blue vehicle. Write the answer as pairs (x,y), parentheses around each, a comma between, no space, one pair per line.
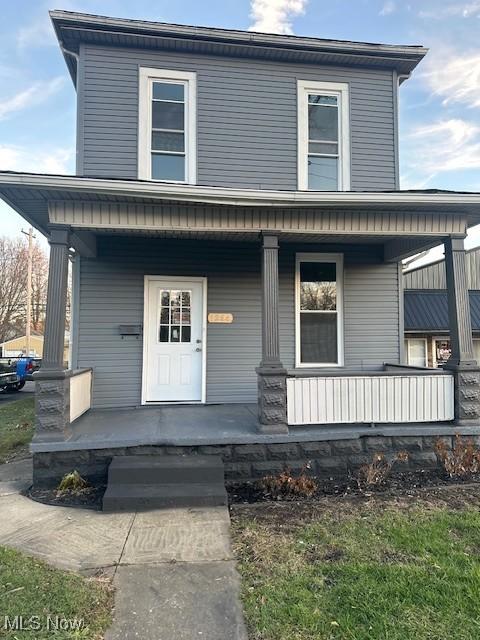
(14,372)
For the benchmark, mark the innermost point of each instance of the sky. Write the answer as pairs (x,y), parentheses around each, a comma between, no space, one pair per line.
(439,106)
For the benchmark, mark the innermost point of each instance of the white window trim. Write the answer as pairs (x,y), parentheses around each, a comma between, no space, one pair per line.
(341,91)
(146,78)
(320,257)
(424,340)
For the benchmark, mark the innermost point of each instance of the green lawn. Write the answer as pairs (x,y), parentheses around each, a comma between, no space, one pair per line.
(43,595)
(365,572)
(16,428)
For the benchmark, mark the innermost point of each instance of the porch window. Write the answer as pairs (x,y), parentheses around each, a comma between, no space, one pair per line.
(323,136)
(167,145)
(319,310)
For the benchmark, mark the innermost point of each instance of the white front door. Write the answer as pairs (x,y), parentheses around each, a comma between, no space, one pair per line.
(173,362)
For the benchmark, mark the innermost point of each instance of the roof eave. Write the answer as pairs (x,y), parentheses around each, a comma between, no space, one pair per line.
(412,55)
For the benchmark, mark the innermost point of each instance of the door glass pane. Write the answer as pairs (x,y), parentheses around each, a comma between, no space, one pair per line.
(328,148)
(175,316)
(318,286)
(318,337)
(168,167)
(322,173)
(164,315)
(168,115)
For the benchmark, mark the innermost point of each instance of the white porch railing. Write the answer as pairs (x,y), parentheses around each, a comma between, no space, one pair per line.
(370,399)
(80,393)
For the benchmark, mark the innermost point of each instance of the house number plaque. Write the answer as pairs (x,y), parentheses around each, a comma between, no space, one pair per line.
(220,318)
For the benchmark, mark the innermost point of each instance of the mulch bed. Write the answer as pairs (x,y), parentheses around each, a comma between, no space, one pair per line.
(398,484)
(89,498)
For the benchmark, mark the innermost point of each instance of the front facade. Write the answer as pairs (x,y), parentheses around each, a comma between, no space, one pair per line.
(238,231)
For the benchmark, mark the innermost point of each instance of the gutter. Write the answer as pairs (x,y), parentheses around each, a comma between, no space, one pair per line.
(245,197)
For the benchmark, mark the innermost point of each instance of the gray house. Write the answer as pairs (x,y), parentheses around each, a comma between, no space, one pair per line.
(237,229)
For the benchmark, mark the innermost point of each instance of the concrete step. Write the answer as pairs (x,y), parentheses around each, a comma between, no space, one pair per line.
(143,497)
(167,469)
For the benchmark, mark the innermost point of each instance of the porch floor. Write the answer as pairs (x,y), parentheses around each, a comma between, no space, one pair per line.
(182,425)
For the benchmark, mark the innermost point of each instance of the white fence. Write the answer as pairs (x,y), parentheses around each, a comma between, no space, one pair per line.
(80,393)
(367,399)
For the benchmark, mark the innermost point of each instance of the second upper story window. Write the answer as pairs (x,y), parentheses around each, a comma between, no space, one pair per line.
(323,136)
(167,126)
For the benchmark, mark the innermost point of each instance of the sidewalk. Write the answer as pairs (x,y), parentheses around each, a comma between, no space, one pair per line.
(173,569)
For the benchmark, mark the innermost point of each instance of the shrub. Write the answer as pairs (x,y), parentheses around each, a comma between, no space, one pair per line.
(460,461)
(376,472)
(72,482)
(286,485)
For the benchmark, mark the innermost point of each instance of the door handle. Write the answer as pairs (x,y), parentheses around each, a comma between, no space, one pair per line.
(198,349)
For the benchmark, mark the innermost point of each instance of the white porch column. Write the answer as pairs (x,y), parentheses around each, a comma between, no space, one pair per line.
(272,381)
(52,388)
(462,360)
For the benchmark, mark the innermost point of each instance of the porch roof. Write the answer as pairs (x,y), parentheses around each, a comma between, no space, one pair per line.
(32,194)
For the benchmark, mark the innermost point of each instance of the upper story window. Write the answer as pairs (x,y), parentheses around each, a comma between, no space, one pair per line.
(323,136)
(167,123)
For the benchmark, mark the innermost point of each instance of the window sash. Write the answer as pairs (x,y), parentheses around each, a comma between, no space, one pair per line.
(146,150)
(337,312)
(341,93)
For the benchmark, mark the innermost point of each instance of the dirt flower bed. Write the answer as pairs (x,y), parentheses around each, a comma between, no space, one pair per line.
(398,484)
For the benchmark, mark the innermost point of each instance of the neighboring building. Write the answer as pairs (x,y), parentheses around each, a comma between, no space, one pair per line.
(238,232)
(427,340)
(16,346)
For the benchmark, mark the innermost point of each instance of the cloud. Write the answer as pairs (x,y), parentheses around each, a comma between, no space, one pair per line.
(55,160)
(274,16)
(459,9)
(38,33)
(34,95)
(388,8)
(454,77)
(444,146)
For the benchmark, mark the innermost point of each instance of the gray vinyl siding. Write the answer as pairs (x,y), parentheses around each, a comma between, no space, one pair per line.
(246,117)
(111,293)
(432,276)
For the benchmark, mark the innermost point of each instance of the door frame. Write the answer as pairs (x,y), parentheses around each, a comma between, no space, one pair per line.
(146,316)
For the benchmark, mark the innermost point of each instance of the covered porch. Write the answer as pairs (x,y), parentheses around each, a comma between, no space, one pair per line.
(102,220)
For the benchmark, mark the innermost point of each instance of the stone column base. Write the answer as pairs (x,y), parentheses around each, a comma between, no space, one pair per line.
(52,405)
(272,400)
(467,395)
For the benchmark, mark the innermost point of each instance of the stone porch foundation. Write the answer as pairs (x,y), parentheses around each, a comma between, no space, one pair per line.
(244,462)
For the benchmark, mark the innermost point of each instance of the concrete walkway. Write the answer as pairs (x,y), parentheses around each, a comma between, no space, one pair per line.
(173,569)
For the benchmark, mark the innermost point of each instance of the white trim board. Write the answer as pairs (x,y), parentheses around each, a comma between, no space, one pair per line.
(146,78)
(151,278)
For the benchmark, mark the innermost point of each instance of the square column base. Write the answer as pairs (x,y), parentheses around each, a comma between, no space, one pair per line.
(466,394)
(272,399)
(52,405)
